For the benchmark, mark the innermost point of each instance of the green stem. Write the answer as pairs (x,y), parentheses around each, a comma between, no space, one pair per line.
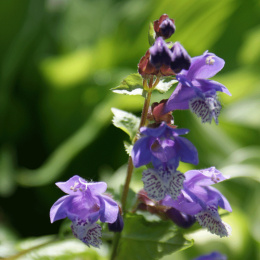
(130,166)
(116,240)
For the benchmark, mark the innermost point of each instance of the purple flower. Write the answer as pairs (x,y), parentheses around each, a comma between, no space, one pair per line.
(202,201)
(84,205)
(180,58)
(176,57)
(163,147)
(195,91)
(160,54)
(212,256)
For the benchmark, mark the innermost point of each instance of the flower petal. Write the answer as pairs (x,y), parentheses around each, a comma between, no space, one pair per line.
(208,85)
(153,185)
(182,204)
(163,149)
(97,187)
(69,186)
(186,150)
(213,224)
(175,184)
(108,209)
(84,207)
(179,100)
(141,153)
(88,233)
(205,66)
(204,177)
(59,209)
(215,197)
(206,108)
(154,132)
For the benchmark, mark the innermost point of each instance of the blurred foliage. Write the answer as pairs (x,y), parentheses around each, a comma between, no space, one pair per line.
(58,61)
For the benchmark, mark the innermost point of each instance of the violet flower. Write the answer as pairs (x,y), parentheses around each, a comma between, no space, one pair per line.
(200,200)
(212,256)
(180,58)
(160,54)
(176,58)
(195,91)
(163,147)
(84,205)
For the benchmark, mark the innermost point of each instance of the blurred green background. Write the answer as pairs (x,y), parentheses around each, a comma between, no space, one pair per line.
(58,61)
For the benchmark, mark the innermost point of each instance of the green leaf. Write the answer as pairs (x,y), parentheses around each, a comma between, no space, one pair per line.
(165,84)
(149,240)
(8,240)
(131,85)
(45,248)
(151,34)
(128,122)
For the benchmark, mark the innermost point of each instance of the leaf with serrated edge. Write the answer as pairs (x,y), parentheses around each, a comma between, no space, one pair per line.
(142,239)
(163,86)
(131,85)
(128,147)
(126,121)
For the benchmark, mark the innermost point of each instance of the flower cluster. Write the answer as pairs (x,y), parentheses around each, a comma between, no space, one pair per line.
(84,205)
(160,146)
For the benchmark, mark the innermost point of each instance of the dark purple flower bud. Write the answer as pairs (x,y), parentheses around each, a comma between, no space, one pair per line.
(181,219)
(164,27)
(180,58)
(160,54)
(118,225)
(167,28)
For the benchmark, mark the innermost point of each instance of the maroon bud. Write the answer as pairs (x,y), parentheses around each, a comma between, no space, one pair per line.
(164,27)
(158,115)
(145,67)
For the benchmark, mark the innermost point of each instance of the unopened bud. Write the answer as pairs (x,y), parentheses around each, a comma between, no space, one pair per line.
(164,27)
(180,58)
(181,219)
(118,225)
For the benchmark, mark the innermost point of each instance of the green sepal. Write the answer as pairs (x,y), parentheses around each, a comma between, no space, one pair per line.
(142,239)
(165,84)
(151,34)
(131,85)
(126,121)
